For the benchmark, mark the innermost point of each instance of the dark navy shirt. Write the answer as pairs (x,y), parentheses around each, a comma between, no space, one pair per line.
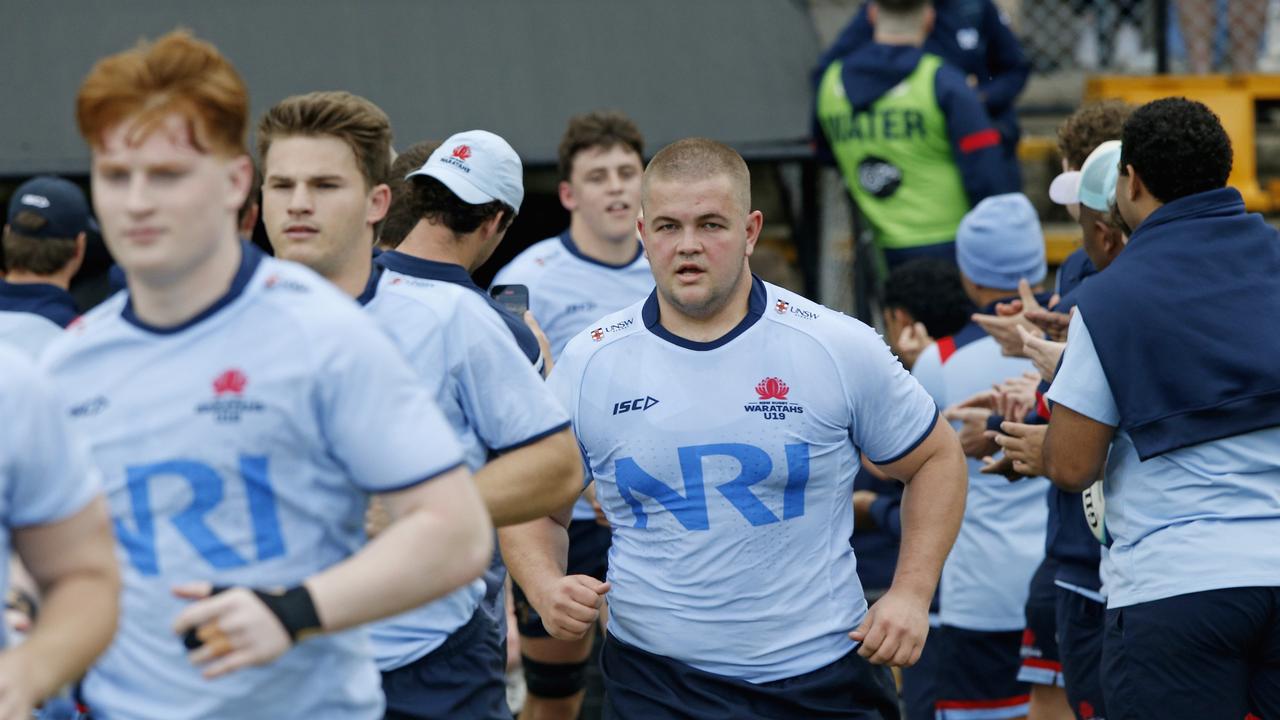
(48,301)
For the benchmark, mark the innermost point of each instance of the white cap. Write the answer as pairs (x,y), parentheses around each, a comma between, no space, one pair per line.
(478,167)
(1094,184)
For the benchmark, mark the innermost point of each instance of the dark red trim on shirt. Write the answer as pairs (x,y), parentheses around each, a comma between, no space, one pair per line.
(979,140)
(946,348)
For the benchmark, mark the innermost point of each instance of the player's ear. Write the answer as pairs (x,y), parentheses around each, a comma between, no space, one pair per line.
(379,203)
(239,180)
(755,222)
(567,198)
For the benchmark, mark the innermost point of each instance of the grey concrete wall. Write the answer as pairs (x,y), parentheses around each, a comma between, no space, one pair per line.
(730,69)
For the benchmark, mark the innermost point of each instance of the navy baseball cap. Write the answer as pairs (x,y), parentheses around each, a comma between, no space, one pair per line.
(60,203)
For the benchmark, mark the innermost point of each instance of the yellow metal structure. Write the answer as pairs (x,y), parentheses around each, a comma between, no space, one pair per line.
(1233,97)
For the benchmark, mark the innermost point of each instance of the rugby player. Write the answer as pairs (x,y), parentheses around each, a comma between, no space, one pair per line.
(594,268)
(1160,387)
(721,419)
(44,245)
(56,522)
(228,399)
(325,158)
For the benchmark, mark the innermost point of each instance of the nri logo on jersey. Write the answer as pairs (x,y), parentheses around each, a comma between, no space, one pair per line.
(228,404)
(773,403)
(754,479)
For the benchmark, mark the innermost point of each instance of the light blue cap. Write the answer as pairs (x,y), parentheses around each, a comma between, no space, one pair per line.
(1000,242)
(1094,184)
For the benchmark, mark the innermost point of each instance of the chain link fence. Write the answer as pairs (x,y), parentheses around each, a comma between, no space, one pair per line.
(1148,36)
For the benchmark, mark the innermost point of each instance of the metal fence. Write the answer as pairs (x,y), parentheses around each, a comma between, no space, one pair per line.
(1148,36)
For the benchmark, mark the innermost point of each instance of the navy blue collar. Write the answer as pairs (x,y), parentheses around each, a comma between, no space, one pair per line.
(41,291)
(371,285)
(567,240)
(755,310)
(427,269)
(1223,202)
(44,299)
(250,258)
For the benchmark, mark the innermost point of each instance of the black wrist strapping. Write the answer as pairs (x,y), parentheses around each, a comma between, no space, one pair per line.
(294,609)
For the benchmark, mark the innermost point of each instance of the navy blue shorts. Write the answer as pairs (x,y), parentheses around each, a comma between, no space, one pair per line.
(642,686)
(463,678)
(978,675)
(1201,656)
(920,682)
(589,544)
(1080,626)
(1041,663)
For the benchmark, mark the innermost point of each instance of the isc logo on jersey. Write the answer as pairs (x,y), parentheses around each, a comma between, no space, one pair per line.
(228,403)
(772,393)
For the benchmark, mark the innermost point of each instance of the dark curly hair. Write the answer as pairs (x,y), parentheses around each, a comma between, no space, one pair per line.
(930,290)
(1090,126)
(1178,148)
(432,200)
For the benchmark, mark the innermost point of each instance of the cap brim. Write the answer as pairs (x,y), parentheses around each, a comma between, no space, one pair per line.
(1065,189)
(456,182)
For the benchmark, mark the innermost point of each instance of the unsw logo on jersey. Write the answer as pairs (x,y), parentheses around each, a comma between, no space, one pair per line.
(782,307)
(772,394)
(599,333)
(227,404)
(274,282)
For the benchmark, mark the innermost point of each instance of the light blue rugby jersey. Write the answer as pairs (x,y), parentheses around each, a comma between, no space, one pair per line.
(27,332)
(986,578)
(45,471)
(569,291)
(489,392)
(1203,517)
(240,448)
(726,469)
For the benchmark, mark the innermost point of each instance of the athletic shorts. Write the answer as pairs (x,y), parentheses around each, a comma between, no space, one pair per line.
(588,555)
(1039,652)
(978,675)
(920,682)
(642,686)
(463,678)
(1202,656)
(1080,626)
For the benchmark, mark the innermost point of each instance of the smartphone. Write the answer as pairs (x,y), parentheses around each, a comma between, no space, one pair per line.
(512,297)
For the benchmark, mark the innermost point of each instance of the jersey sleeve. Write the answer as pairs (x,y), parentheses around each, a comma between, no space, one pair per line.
(563,383)
(890,413)
(51,475)
(503,395)
(975,142)
(379,420)
(1080,382)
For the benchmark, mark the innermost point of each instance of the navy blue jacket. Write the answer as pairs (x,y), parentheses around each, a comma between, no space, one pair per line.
(871,71)
(1169,319)
(48,301)
(970,35)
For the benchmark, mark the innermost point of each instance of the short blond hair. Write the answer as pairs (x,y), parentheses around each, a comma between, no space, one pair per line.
(696,158)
